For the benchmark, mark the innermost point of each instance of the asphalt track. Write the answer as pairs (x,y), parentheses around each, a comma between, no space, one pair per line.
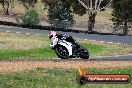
(97,37)
(93,37)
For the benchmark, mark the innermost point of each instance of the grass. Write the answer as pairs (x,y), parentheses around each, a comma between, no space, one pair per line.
(21,46)
(104,49)
(13,41)
(40,53)
(58,78)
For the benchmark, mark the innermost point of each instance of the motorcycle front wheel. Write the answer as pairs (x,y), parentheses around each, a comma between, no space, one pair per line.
(62,52)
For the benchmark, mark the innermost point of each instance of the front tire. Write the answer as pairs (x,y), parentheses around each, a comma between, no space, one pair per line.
(62,52)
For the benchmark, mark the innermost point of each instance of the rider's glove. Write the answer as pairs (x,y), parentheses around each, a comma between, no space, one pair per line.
(64,37)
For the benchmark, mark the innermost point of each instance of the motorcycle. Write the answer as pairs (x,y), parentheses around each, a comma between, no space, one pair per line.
(66,50)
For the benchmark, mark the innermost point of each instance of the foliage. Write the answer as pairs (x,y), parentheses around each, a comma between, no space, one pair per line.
(75,6)
(122,10)
(122,13)
(28,3)
(59,15)
(31,17)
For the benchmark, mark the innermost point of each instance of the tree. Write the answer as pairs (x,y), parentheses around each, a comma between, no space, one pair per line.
(31,17)
(59,14)
(28,3)
(82,7)
(6,5)
(122,14)
(92,7)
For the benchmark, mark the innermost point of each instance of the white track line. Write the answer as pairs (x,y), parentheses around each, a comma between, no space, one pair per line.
(102,41)
(85,40)
(18,32)
(37,34)
(7,31)
(27,33)
(92,40)
(118,43)
(110,42)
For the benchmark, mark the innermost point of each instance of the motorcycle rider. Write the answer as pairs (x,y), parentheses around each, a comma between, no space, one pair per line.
(70,39)
(77,50)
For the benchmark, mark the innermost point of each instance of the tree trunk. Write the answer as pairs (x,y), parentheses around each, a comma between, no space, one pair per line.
(125,28)
(91,21)
(7,11)
(90,26)
(6,6)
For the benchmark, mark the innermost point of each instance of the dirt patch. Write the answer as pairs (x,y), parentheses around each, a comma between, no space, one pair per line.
(17,66)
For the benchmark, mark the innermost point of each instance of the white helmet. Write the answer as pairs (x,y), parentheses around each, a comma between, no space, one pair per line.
(51,34)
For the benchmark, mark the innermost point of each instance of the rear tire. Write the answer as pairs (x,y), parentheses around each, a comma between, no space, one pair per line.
(84,54)
(62,52)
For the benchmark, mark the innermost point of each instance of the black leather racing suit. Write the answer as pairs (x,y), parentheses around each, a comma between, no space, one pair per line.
(67,38)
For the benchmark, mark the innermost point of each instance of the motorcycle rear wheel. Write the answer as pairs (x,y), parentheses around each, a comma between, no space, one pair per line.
(84,54)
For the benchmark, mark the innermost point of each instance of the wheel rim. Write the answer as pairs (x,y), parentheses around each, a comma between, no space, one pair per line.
(63,51)
(84,52)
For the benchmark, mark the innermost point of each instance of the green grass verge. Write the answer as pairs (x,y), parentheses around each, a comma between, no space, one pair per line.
(45,53)
(58,78)
(40,53)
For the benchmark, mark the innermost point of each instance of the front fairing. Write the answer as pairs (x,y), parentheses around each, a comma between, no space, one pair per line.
(53,42)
